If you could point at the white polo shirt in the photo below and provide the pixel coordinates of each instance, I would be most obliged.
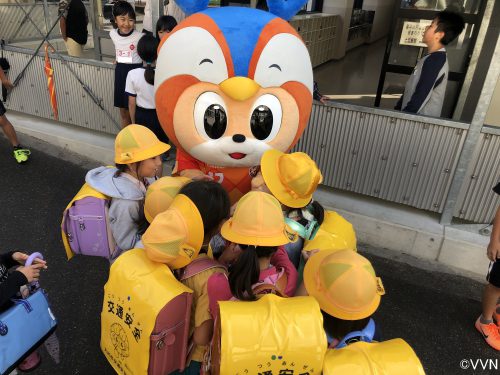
(126, 46)
(137, 86)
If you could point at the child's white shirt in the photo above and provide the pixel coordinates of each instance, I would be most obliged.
(126, 47)
(137, 86)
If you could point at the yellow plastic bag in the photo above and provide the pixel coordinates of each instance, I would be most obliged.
(272, 334)
(334, 233)
(392, 357)
(136, 291)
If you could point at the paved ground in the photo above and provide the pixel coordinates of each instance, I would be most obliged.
(432, 310)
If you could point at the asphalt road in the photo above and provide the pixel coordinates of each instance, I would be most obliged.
(433, 311)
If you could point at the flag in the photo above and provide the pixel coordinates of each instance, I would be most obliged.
(49, 72)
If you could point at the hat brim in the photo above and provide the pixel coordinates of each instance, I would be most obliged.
(194, 223)
(229, 234)
(325, 304)
(269, 169)
(158, 149)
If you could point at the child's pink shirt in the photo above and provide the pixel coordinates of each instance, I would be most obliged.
(218, 285)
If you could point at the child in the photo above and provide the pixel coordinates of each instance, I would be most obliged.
(164, 25)
(489, 321)
(293, 179)
(125, 39)
(256, 232)
(140, 90)
(20, 153)
(137, 157)
(9, 287)
(212, 202)
(348, 292)
(426, 88)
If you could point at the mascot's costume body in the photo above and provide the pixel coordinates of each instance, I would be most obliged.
(230, 84)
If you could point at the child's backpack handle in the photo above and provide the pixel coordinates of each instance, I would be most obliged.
(32, 258)
(366, 335)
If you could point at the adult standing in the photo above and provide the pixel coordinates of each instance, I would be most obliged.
(73, 23)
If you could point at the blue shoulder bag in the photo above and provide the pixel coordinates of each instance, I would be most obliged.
(24, 326)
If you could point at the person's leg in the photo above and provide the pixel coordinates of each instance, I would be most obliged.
(485, 324)
(491, 294)
(74, 49)
(9, 130)
(125, 117)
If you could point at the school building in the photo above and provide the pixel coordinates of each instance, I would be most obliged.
(410, 183)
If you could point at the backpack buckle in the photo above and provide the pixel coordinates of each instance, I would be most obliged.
(82, 226)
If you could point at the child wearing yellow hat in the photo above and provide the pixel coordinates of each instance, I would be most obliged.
(160, 195)
(293, 179)
(348, 292)
(256, 233)
(137, 157)
(179, 237)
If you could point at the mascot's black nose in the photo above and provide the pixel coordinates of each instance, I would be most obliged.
(239, 138)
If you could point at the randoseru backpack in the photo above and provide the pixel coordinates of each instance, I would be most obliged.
(85, 227)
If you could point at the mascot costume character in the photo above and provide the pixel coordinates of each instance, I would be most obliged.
(231, 83)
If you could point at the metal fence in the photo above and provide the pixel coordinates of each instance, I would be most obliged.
(74, 100)
(16, 27)
(391, 155)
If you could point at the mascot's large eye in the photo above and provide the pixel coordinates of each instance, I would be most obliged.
(210, 116)
(265, 121)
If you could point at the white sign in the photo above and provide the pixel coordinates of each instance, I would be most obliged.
(413, 32)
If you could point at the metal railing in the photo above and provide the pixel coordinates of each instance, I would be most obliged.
(391, 155)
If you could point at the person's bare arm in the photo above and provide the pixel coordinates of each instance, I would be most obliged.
(5, 81)
(62, 25)
(131, 108)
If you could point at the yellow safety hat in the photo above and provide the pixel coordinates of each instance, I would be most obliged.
(258, 220)
(160, 195)
(291, 178)
(135, 143)
(176, 235)
(344, 283)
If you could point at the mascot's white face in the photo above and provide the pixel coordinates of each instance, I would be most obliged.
(226, 97)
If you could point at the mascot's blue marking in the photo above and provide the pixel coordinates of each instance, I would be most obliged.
(241, 28)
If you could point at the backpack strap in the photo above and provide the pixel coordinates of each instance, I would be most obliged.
(199, 265)
(366, 335)
(85, 191)
(275, 284)
(263, 289)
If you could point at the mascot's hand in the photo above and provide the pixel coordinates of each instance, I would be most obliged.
(195, 175)
(258, 184)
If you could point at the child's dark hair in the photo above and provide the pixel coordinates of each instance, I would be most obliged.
(316, 209)
(123, 8)
(451, 23)
(211, 200)
(339, 328)
(246, 270)
(147, 50)
(165, 23)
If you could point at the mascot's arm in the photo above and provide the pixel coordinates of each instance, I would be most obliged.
(258, 183)
(187, 166)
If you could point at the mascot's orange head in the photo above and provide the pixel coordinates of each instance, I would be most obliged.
(234, 82)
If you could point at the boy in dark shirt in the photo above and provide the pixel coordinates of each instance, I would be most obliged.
(426, 87)
(489, 322)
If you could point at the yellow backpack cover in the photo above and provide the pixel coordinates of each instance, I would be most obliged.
(334, 233)
(145, 316)
(392, 357)
(270, 335)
